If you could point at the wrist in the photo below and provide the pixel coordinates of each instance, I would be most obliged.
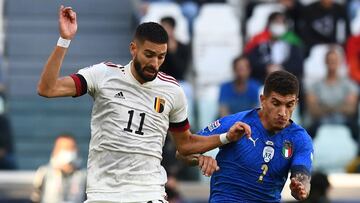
(223, 138)
(64, 43)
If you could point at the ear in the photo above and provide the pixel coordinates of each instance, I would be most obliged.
(133, 49)
(262, 100)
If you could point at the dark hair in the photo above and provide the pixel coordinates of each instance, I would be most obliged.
(239, 58)
(152, 32)
(273, 16)
(169, 20)
(281, 82)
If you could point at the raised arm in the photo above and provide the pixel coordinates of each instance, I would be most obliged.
(50, 85)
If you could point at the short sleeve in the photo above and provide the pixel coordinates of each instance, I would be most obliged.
(303, 155)
(178, 114)
(89, 77)
(219, 126)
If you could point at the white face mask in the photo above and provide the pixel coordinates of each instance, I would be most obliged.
(64, 157)
(277, 29)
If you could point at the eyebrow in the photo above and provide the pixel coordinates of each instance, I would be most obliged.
(274, 99)
(153, 53)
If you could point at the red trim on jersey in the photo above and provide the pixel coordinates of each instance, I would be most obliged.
(164, 75)
(77, 84)
(108, 63)
(179, 127)
(161, 77)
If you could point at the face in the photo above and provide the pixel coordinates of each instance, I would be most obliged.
(147, 59)
(277, 110)
(242, 69)
(332, 62)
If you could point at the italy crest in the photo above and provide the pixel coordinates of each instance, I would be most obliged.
(287, 149)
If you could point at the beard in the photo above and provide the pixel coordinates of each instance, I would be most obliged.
(140, 71)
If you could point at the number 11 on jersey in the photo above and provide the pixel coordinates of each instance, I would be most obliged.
(131, 115)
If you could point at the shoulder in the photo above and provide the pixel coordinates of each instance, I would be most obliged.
(300, 135)
(167, 80)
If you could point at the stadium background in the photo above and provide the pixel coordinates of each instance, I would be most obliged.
(29, 32)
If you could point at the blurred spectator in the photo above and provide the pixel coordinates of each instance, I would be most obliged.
(293, 10)
(60, 181)
(333, 99)
(353, 57)
(7, 158)
(354, 165)
(320, 186)
(353, 6)
(321, 23)
(275, 47)
(240, 94)
(178, 56)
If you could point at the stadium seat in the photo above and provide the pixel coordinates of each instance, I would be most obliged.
(333, 148)
(158, 10)
(257, 22)
(207, 104)
(315, 67)
(214, 48)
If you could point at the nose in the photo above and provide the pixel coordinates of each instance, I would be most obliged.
(282, 111)
(154, 62)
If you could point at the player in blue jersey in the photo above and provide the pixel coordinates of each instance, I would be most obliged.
(255, 170)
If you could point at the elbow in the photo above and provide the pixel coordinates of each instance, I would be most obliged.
(43, 92)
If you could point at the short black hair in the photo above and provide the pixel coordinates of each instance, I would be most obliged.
(169, 20)
(152, 32)
(273, 16)
(281, 82)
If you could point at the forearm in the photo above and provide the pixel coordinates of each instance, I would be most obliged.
(51, 71)
(196, 144)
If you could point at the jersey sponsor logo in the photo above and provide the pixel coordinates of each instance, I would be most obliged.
(159, 104)
(268, 153)
(119, 95)
(212, 126)
(287, 149)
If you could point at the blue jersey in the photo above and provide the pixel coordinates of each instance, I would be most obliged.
(257, 173)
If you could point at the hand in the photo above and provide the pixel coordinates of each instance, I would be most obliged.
(67, 22)
(298, 190)
(237, 131)
(208, 165)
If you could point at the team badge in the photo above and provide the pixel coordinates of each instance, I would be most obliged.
(287, 149)
(268, 153)
(159, 104)
(212, 126)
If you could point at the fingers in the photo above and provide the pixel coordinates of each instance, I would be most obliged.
(208, 165)
(298, 189)
(246, 129)
(67, 12)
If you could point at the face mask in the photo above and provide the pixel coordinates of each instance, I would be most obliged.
(277, 29)
(64, 157)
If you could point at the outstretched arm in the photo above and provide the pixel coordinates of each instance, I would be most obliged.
(50, 85)
(188, 143)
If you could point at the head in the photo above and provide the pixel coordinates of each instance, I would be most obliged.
(289, 4)
(326, 3)
(148, 49)
(169, 25)
(319, 185)
(279, 99)
(241, 68)
(277, 24)
(65, 151)
(332, 61)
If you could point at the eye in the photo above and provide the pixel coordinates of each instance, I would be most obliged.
(290, 105)
(275, 103)
(161, 57)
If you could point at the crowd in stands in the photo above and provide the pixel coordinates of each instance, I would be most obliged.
(292, 32)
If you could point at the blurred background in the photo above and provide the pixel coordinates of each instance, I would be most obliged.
(220, 51)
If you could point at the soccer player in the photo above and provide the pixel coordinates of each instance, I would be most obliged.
(134, 106)
(255, 170)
